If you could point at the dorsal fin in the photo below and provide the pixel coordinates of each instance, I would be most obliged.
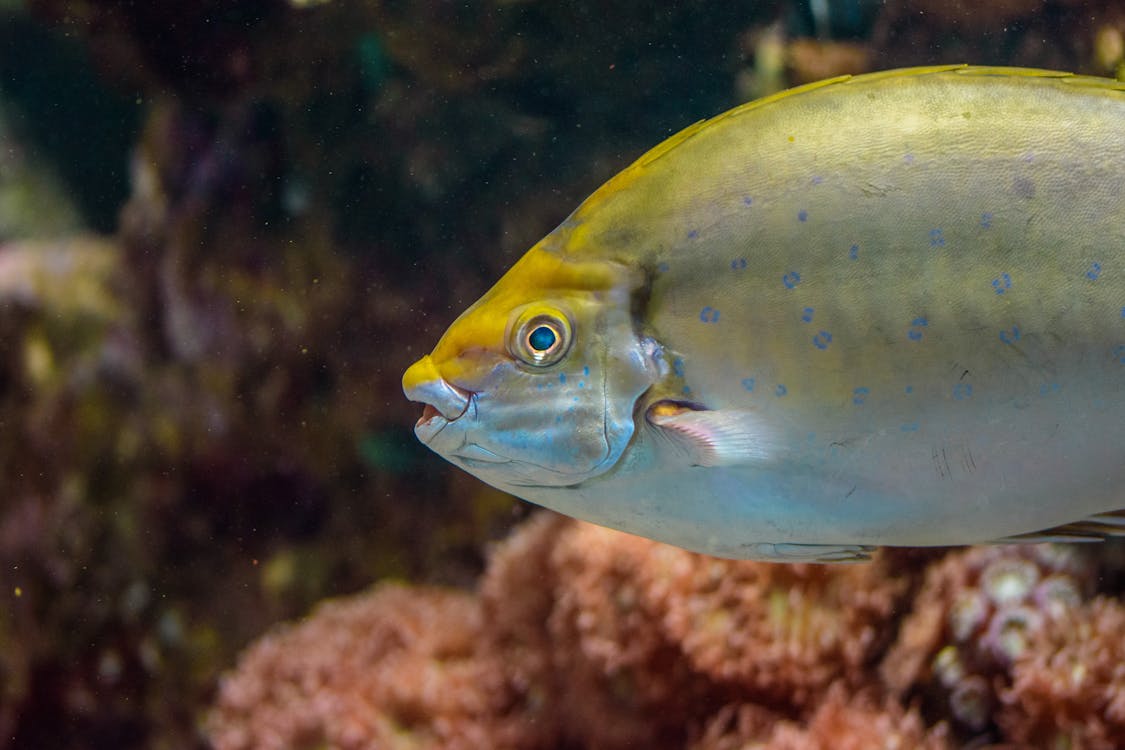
(1096, 528)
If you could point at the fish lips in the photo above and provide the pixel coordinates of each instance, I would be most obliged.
(444, 403)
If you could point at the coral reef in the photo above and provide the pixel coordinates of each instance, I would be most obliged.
(978, 613)
(225, 229)
(584, 637)
(1068, 686)
(398, 668)
(839, 722)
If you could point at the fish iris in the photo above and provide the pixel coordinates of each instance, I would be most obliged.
(542, 339)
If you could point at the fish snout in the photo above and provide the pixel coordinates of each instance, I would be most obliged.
(444, 402)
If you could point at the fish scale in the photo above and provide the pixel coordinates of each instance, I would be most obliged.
(883, 309)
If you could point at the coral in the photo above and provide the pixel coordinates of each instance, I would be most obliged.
(1068, 687)
(842, 721)
(593, 638)
(582, 637)
(783, 630)
(979, 612)
(570, 618)
(396, 668)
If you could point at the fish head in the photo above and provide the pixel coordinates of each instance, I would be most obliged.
(535, 384)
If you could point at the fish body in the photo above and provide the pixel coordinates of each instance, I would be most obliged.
(877, 310)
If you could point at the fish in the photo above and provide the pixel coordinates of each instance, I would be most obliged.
(876, 310)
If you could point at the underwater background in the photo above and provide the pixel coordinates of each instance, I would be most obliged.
(226, 229)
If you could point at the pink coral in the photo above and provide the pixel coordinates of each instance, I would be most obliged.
(781, 630)
(396, 668)
(842, 721)
(575, 629)
(583, 637)
(633, 640)
(979, 611)
(1068, 688)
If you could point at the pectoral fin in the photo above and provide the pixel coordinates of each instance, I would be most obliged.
(710, 437)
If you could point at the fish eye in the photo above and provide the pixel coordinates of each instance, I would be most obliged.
(542, 339)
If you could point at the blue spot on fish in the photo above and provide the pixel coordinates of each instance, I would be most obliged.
(909, 389)
(962, 391)
(910, 427)
(986, 221)
(859, 394)
(747, 201)
(1123, 313)
(1010, 336)
(709, 315)
(791, 279)
(782, 390)
(738, 264)
(1094, 272)
(817, 179)
(853, 252)
(581, 383)
(687, 390)
(807, 315)
(1002, 284)
(916, 326)
(1119, 352)
(908, 158)
(802, 215)
(1023, 187)
(936, 238)
(662, 268)
(822, 340)
(678, 366)
(586, 371)
(693, 234)
(1048, 388)
(748, 384)
(562, 378)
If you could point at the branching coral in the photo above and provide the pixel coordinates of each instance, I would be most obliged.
(840, 722)
(582, 637)
(398, 668)
(979, 612)
(569, 617)
(1068, 686)
(783, 631)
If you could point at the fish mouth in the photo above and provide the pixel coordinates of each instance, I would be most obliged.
(443, 402)
(429, 412)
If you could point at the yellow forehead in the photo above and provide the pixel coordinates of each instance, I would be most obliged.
(540, 276)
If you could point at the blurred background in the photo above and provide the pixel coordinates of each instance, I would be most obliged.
(226, 228)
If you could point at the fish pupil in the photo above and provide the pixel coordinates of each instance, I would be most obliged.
(542, 339)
